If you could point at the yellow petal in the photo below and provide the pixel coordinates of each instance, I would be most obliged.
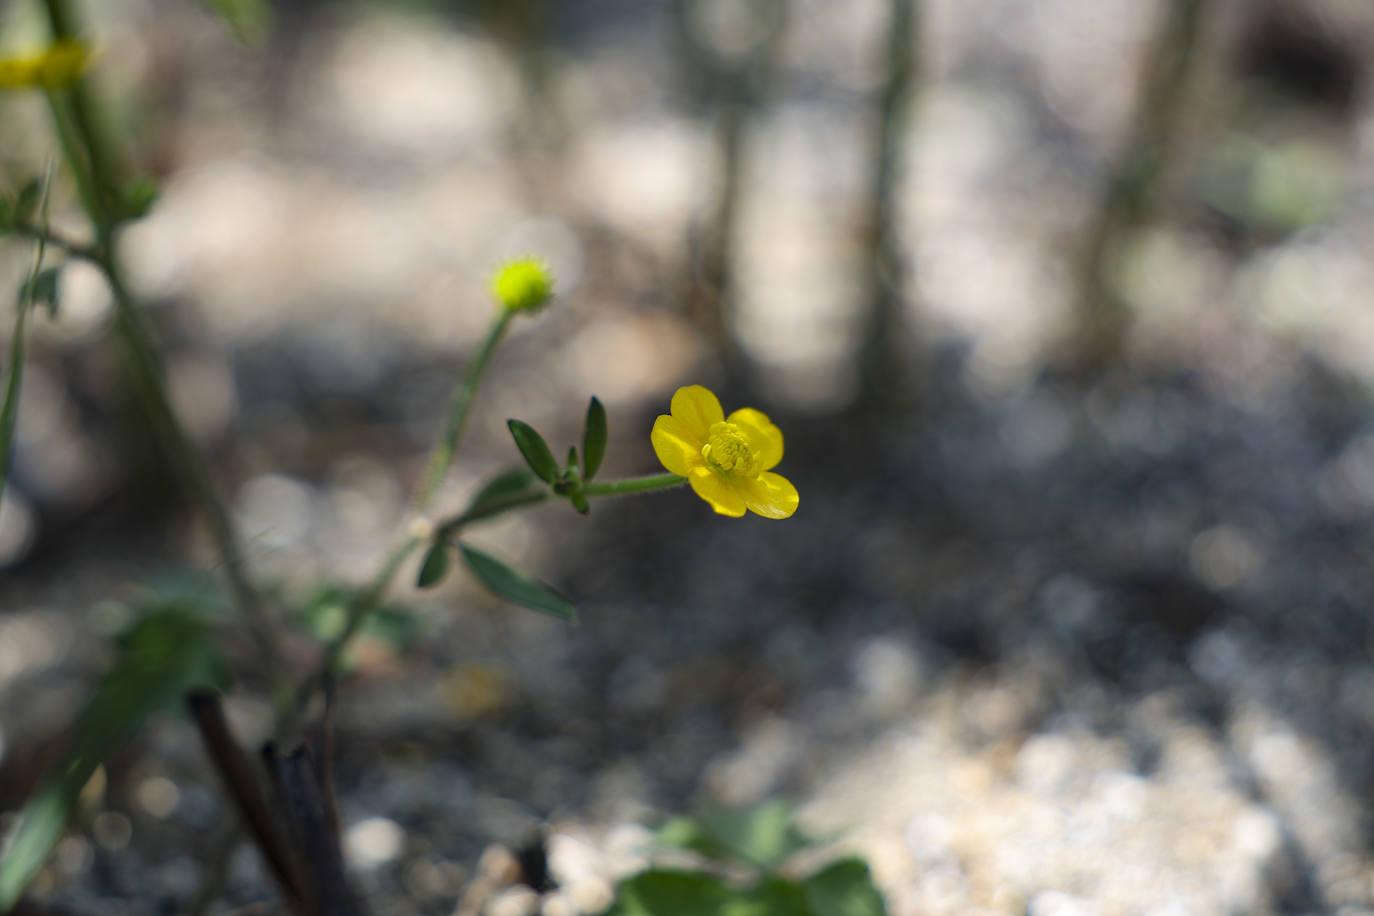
(696, 408)
(718, 491)
(765, 439)
(770, 495)
(675, 445)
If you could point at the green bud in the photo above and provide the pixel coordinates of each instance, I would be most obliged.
(523, 285)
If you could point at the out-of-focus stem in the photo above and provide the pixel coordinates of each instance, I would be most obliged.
(885, 344)
(89, 161)
(1134, 183)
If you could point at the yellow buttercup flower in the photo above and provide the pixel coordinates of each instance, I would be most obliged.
(727, 460)
(59, 67)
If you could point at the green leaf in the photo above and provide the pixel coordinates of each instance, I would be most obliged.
(435, 565)
(660, 892)
(514, 587)
(579, 502)
(844, 888)
(762, 836)
(774, 896)
(593, 439)
(250, 20)
(535, 450)
(41, 288)
(164, 653)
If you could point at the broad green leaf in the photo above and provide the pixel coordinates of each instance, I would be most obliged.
(516, 487)
(435, 565)
(844, 888)
(515, 587)
(250, 20)
(535, 450)
(660, 892)
(593, 439)
(167, 651)
(762, 836)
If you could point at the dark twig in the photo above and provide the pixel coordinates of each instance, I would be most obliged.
(241, 780)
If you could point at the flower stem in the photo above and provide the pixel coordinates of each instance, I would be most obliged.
(442, 455)
(644, 484)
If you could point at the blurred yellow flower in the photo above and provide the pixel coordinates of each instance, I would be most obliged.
(524, 284)
(59, 67)
(727, 460)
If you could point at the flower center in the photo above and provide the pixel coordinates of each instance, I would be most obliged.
(727, 450)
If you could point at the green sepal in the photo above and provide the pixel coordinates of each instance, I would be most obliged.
(593, 439)
(534, 449)
(579, 501)
(434, 566)
(515, 587)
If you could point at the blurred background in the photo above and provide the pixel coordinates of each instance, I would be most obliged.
(1063, 308)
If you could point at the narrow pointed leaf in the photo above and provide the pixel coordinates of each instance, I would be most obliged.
(516, 587)
(593, 439)
(535, 450)
(515, 487)
(434, 567)
(167, 651)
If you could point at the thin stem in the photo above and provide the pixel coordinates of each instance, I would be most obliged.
(644, 484)
(364, 603)
(442, 455)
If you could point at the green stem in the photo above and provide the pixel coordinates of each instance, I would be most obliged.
(646, 484)
(442, 455)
